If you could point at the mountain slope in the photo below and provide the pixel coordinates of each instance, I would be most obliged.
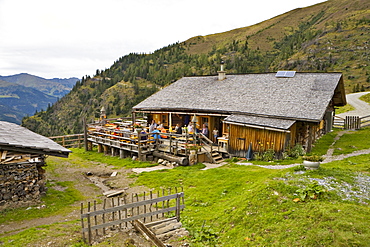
(54, 87)
(330, 36)
(17, 101)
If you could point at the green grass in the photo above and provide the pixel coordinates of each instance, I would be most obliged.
(55, 201)
(237, 205)
(320, 147)
(253, 206)
(344, 109)
(358, 163)
(275, 162)
(353, 141)
(366, 98)
(79, 156)
(45, 233)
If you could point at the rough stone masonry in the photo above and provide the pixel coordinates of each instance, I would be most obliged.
(21, 184)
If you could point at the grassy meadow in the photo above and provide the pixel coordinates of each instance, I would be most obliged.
(233, 205)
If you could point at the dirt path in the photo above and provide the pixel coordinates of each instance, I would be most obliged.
(328, 157)
(362, 108)
(99, 181)
(92, 187)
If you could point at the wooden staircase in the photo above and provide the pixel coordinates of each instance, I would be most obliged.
(207, 147)
(216, 156)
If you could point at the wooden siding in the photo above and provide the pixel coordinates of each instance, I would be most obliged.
(302, 133)
(306, 134)
(240, 137)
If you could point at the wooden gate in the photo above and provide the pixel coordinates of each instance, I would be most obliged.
(352, 122)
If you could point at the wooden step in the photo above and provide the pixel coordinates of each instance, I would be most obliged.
(217, 158)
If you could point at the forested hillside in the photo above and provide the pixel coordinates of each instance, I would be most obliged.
(331, 36)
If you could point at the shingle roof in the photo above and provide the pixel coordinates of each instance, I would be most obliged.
(263, 122)
(305, 96)
(15, 137)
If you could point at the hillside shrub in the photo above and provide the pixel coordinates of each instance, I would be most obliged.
(294, 152)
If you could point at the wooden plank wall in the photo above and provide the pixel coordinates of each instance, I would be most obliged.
(306, 134)
(240, 138)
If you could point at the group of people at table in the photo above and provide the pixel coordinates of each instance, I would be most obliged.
(156, 128)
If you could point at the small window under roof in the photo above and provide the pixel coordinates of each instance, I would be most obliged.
(285, 74)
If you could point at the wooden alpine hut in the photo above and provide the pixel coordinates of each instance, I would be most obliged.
(264, 111)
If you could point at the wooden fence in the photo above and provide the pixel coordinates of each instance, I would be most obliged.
(69, 141)
(365, 121)
(351, 122)
(120, 212)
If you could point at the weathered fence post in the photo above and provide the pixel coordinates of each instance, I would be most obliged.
(82, 223)
(103, 216)
(95, 219)
(162, 202)
(112, 207)
(144, 207)
(119, 213)
(89, 228)
(150, 208)
(178, 207)
(125, 210)
(168, 201)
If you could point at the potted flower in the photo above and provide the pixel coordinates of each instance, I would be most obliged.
(194, 147)
(312, 161)
(193, 153)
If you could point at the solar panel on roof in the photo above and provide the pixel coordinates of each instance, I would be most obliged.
(280, 74)
(285, 74)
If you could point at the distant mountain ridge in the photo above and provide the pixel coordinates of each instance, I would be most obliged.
(22, 95)
(54, 87)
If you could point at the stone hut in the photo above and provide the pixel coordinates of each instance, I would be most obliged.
(22, 157)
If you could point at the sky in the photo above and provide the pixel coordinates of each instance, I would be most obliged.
(74, 38)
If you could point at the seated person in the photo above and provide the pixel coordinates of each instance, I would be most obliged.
(155, 135)
(163, 130)
(143, 135)
(190, 128)
(178, 129)
(205, 130)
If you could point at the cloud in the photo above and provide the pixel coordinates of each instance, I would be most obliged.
(74, 38)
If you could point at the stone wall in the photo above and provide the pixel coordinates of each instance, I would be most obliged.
(21, 184)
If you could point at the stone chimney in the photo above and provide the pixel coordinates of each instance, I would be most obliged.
(222, 73)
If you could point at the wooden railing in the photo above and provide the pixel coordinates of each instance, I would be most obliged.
(146, 208)
(338, 122)
(365, 121)
(69, 141)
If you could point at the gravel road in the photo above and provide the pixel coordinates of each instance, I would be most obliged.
(361, 107)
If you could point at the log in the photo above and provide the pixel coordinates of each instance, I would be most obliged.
(111, 193)
(183, 161)
(168, 228)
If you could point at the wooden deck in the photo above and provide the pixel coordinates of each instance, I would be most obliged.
(126, 143)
